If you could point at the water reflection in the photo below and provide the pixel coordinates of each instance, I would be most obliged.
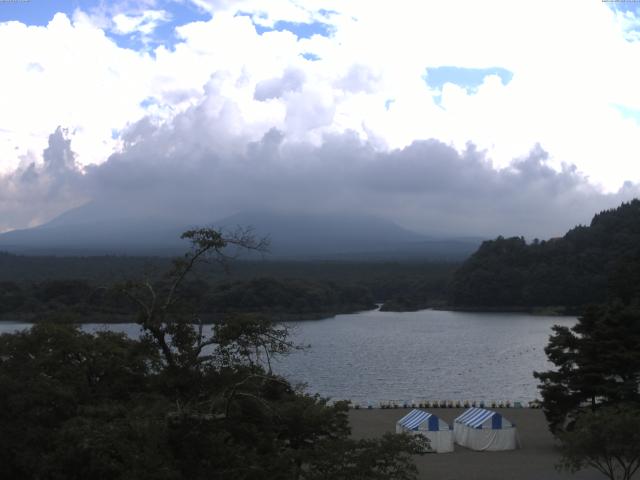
(373, 356)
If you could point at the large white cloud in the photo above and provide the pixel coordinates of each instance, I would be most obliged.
(197, 168)
(36, 191)
(573, 64)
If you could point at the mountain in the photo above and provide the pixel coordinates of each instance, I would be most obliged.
(102, 229)
(95, 229)
(345, 236)
(590, 264)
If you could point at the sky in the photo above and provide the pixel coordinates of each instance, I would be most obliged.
(466, 118)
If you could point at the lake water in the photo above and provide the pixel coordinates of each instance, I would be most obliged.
(432, 355)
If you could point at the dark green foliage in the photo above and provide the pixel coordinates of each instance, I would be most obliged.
(597, 363)
(261, 295)
(96, 269)
(66, 292)
(269, 295)
(176, 404)
(282, 290)
(607, 440)
(588, 265)
(55, 381)
(11, 297)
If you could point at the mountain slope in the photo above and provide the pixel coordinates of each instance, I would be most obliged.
(96, 229)
(103, 229)
(587, 265)
(318, 235)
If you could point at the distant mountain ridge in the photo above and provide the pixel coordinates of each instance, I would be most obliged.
(588, 265)
(95, 229)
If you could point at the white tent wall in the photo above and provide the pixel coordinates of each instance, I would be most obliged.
(418, 422)
(480, 429)
(486, 439)
(439, 442)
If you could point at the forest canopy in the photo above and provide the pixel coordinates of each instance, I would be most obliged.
(590, 264)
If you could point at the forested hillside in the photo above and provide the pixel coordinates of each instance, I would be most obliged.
(85, 288)
(590, 264)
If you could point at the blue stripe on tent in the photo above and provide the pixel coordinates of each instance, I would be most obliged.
(407, 416)
(475, 417)
(479, 418)
(415, 418)
(434, 424)
(410, 416)
(468, 414)
(496, 421)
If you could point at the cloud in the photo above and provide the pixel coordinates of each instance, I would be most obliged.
(566, 93)
(427, 186)
(144, 23)
(290, 81)
(195, 170)
(359, 78)
(37, 191)
(231, 117)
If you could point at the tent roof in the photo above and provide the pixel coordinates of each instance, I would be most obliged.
(415, 418)
(475, 417)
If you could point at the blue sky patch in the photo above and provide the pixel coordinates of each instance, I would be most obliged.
(40, 13)
(631, 12)
(627, 112)
(300, 30)
(467, 78)
(304, 30)
(37, 13)
(620, 6)
(311, 56)
(325, 13)
(147, 102)
(181, 14)
(165, 33)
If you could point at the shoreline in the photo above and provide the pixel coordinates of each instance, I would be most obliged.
(555, 311)
(80, 318)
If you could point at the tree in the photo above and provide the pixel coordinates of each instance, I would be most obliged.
(597, 364)
(607, 440)
(161, 314)
(179, 403)
(57, 384)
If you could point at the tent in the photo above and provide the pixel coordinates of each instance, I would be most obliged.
(480, 429)
(419, 422)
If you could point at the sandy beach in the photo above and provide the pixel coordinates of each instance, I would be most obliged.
(535, 460)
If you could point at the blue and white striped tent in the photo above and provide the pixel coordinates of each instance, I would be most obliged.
(481, 429)
(419, 422)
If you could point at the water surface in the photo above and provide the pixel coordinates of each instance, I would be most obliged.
(436, 355)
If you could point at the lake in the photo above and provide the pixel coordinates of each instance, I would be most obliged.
(432, 355)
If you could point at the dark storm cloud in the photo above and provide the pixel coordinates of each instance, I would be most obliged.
(196, 169)
(427, 186)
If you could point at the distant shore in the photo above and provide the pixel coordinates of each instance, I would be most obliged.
(535, 460)
(116, 318)
(552, 311)
(75, 317)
